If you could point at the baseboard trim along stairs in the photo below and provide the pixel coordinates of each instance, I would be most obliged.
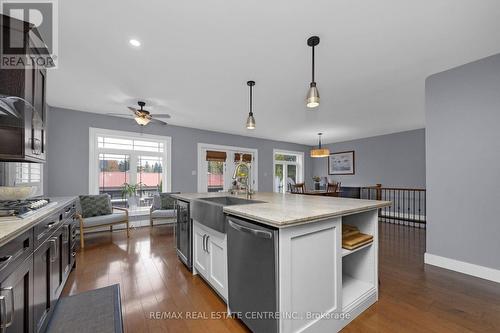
(482, 272)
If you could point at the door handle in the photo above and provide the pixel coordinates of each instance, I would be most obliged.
(204, 242)
(255, 232)
(54, 243)
(5, 260)
(56, 248)
(12, 307)
(3, 314)
(51, 224)
(66, 232)
(208, 236)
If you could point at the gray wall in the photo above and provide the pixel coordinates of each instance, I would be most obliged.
(391, 160)
(66, 172)
(463, 163)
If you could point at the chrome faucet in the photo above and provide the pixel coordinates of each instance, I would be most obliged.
(246, 176)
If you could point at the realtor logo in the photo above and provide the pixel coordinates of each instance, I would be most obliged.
(23, 45)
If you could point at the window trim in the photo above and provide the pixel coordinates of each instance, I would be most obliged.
(94, 133)
(301, 165)
(202, 147)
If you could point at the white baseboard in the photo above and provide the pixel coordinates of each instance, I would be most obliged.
(482, 272)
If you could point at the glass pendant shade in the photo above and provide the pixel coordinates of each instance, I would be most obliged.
(250, 121)
(143, 121)
(312, 99)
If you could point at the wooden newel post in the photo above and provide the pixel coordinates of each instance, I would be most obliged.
(379, 191)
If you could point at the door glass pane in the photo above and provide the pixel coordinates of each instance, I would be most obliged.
(285, 157)
(114, 170)
(215, 176)
(291, 172)
(149, 176)
(278, 182)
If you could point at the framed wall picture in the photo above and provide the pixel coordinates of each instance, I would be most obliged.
(341, 163)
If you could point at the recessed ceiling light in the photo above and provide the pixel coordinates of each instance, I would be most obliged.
(134, 42)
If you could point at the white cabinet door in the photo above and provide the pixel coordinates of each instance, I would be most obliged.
(200, 255)
(217, 251)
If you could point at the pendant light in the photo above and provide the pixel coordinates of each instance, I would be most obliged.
(320, 152)
(312, 98)
(250, 119)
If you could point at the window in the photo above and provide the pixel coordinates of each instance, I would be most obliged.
(29, 174)
(288, 169)
(215, 181)
(123, 157)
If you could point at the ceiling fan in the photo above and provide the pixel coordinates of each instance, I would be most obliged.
(142, 116)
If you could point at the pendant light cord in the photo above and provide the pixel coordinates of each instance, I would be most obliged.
(251, 113)
(313, 64)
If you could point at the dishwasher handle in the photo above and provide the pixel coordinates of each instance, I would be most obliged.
(255, 232)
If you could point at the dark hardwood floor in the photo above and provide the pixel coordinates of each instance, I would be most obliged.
(413, 297)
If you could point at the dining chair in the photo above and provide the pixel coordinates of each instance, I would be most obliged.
(298, 188)
(332, 189)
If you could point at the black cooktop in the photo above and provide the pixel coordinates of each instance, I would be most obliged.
(21, 207)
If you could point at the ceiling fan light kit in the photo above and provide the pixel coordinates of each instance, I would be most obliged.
(143, 121)
(312, 97)
(250, 119)
(320, 152)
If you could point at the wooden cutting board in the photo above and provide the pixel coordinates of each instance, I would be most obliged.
(348, 228)
(353, 247)
(349, 233)
(356, 239)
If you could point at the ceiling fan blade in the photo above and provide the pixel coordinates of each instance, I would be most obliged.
(134, 110)
(156, 121)
(121, 115)
(158, 115)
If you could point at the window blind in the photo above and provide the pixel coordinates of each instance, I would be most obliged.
(219, 156)
(246, 157)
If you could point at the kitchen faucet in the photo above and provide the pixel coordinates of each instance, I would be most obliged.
(245, 175)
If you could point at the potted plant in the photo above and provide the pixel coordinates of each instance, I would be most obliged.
(316, 179)
(129, 191)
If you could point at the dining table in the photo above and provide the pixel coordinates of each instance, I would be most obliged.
(323, 192)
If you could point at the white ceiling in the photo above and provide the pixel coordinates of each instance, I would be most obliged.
(196, 57)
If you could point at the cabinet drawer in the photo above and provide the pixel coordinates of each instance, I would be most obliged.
(15, 252)
(44, 229)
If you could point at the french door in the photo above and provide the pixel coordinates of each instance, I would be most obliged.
(217, 166)
(287, 170)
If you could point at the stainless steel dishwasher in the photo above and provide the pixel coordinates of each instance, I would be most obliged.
(252, 257)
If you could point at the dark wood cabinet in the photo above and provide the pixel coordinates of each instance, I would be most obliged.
(31, 281)
(23, 115)
(57, 264)
(17, 299)
(49, 277)
(42, 298)
(16, 284)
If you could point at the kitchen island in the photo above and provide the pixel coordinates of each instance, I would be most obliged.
(279, 262)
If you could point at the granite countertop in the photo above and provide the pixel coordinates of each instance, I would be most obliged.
(282, 210)
(11, 226)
